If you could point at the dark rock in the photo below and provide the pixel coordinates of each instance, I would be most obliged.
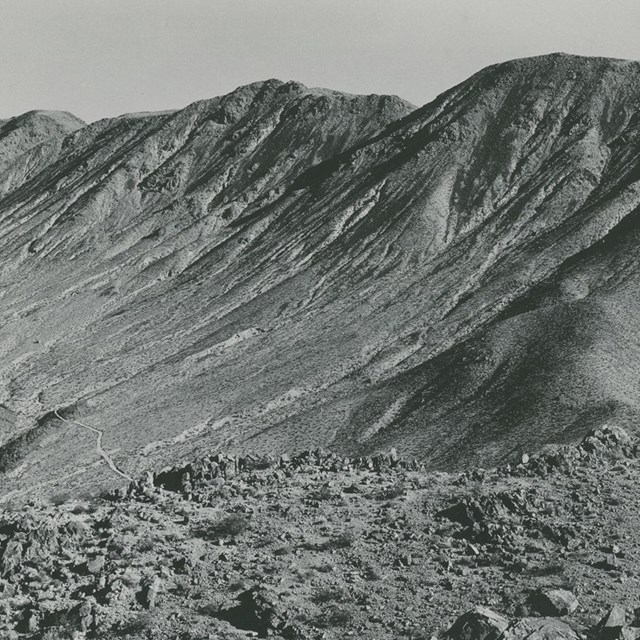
(610, 563)
(554, 602)
(261, 610)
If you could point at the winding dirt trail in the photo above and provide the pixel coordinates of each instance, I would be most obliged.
(101, 452)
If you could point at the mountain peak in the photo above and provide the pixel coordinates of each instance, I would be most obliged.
(63, 120)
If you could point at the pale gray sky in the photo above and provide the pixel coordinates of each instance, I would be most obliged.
(101, 58)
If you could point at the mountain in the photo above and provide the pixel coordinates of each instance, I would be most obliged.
(284, 268)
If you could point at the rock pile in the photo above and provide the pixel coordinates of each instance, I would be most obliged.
(195, 478)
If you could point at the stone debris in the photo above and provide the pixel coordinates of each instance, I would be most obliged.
(314, 544)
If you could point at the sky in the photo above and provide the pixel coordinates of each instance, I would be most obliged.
(101, 58)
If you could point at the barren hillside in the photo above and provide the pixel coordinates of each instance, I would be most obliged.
(284, 268)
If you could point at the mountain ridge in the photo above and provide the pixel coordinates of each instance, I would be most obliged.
(284, 267)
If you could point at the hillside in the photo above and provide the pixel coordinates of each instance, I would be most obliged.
(284, 268)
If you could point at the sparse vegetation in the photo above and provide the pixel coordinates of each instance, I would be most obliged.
(396, 490)
(139, 624)
(335, 615)
(232, 525)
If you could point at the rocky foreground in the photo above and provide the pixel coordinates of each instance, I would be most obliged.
(321, 546)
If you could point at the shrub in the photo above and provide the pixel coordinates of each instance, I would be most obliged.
(393, 491)
(335, 616)
(146, 544)
(345, 540)
(139, 624)
(324, 494)
(372, 572)
(232, 525)
(328, 594)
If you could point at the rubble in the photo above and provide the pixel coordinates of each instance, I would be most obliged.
(314, 544)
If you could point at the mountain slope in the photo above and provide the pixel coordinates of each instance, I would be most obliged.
(283, 267)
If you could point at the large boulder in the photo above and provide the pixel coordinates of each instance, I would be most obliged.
(613, 625)
(539, 629)
(262, 611)
(149, 593)
(480, 623)
(554, 602)
(484, 624)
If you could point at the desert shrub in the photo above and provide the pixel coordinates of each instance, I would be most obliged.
(323, 494)
(233, 525)
(63, 632)
(229, 526)
(549, 569)
(343, 541)
(137, 625)
(372, 572)
(84, 508)
(334, 616)
(259, 464)
(328, 594)
(59, 499)
(282, 551)
(396, 490)
(146, 544)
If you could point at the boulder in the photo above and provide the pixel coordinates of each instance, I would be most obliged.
(11, 558)
(613, 624)
(554, 602)
(95, 565)
(608, 437)
(480, 623)
(149, 593)
(87, 615)
(260, 610)
(539, 629)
